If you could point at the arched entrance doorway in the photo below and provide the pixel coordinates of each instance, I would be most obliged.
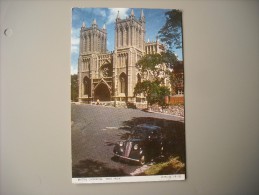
(102, 92)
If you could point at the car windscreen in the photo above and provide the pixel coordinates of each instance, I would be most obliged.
(139, 133)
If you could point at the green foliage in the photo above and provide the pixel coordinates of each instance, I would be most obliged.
(171, 32)
(155, 67)
(169, 58)
(162, 92)
(154, 70)
(172, 166)
(74, 88)
(154, 92)
(149, 64)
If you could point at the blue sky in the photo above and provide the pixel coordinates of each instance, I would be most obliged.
(155, 19)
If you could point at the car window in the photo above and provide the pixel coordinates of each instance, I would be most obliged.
(139, 134)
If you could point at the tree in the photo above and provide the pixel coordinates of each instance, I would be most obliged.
(149, 65)
(176, 77)
(163, 91)
(74, 88)
(171, 32)
(154, 92)
(157, 65)
(169, 59)
(153, 71)
(148, 88)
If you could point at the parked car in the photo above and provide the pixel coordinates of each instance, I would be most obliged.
(143, 144)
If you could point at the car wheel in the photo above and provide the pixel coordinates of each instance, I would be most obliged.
(115, 158)
(142, 160)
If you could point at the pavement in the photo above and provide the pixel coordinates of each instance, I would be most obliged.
(96, 129)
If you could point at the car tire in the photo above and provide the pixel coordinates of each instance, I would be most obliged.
(142, 160)
(116, 158)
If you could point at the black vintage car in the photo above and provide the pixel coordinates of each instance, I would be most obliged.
(143, 144)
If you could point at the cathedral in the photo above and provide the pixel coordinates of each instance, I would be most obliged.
(112, 76)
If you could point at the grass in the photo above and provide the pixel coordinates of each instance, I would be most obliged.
(172, 166)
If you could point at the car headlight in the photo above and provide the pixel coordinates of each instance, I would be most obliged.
(135, 146)
(121, 143)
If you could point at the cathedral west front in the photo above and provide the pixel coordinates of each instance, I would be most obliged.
(112, 76)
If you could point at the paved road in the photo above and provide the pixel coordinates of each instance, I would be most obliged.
(95, 130)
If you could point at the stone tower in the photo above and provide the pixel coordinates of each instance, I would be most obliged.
(94, 63)
(129, 48)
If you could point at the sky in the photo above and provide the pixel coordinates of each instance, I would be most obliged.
(155, 19)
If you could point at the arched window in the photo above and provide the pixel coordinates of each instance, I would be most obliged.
(127, 35)
(89, 41)
(137, 38)
(121, 38)
(87, 86)
(123, 83)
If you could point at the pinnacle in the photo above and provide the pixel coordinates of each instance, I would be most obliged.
(132, 12)
(83, 24)
(142, 14)
(118, 15)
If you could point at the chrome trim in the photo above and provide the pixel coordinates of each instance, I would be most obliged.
(128, 147)
(127, 158)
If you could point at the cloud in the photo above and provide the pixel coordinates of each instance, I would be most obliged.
(75, 32)
(75, 40)
(74, 49)
(73, 69)
(113, 12)
(99, 12)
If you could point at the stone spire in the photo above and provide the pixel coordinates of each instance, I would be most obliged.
(142, 14)
(104, 27)
(94, 23)
(83, 25)
(132, 13)
(118, 15)
(142, 17)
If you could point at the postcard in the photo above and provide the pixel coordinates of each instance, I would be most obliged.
(127, 95)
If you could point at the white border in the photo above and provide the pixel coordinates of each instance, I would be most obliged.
(89, 180)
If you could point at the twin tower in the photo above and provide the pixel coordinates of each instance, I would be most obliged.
(112, 76)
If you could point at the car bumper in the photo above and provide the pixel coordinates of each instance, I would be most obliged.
(126, 158)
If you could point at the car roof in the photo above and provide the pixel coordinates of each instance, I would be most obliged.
(149, 126)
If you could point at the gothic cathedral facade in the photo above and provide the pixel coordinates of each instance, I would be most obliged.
(112, 76)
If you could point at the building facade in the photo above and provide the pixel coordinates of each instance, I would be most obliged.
(112, 76)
